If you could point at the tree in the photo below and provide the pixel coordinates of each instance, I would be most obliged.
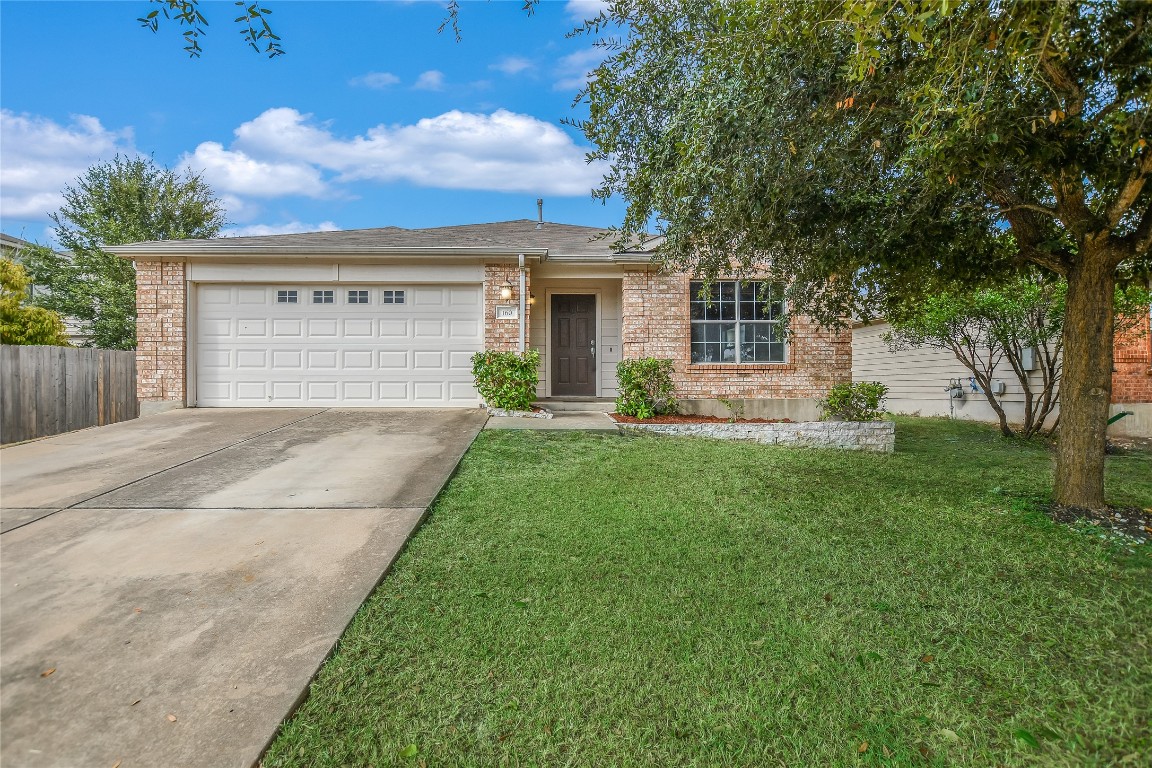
(125, 200)
(986, 327)
(876, 150)
(20, 324)
(187, 14)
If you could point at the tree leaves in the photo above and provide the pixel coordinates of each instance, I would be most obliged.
(121, 201)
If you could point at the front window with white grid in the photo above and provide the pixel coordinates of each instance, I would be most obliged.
(323, 297)
(391, 297)
(737, 321)
(287, 297)
(357, 297)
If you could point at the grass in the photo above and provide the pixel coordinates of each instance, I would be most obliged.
(591, 600)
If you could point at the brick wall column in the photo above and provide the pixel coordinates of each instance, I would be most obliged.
(161, 322)
(504, 335)
(1132, 364)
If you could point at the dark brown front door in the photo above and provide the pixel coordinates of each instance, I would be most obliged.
(573, 344)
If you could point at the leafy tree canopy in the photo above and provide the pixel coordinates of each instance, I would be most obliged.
(872, 150)
(883, 144)
(20, 324)
(125, 200)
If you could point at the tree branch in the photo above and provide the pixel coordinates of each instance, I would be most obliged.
(1130, 191)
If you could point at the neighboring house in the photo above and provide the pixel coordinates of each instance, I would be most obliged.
(391, 317)
(918, 380)
(12, 248)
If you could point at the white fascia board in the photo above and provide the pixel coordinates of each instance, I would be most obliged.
(176, 252)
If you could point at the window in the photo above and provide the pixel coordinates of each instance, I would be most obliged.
(391, 297)
(286, 297)
(323, 297)
(737, 322)
(357, 297)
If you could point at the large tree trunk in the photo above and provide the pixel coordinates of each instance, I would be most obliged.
(1086, 385)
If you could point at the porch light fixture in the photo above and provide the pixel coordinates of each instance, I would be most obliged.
(531, 298)
(506, 290)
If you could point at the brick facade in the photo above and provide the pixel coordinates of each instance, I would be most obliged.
(504, 334)
(1132, 365)
(656, 324)
(160, 330)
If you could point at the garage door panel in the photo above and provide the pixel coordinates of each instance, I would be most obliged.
(357, 359)
(252, 358)
(282, 328)
(322, 359)
(393, 327)
(216, 328)
(253, 350)
(428, 391)
(425, 329)
(251, 391)
(287, 390)
(423, 359)
(250, 296)
(393, 359)
(287, 358)
(246, 327)
(360, 327)
(357, 391)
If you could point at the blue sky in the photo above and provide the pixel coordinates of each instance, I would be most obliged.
(371, 119)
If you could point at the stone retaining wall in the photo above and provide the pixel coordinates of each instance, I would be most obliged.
(877, 436)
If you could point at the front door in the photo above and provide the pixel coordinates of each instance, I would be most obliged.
(573, 344)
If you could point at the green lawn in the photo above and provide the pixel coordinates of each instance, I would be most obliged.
(599, 600)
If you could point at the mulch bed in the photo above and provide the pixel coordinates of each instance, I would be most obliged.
(676, 418)
(1133, 523)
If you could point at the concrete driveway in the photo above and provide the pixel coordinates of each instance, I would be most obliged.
(168, 586)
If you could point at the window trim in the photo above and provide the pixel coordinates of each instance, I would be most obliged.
(737, 323)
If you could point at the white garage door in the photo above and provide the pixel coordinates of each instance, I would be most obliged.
(337, 344)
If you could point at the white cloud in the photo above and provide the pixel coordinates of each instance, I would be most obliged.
(42, 156)
(573, 69)
(377, 80)
(502, 151)
(580, 10)
(288, 228)
(232, 171)
(432, 80)
(511, 65)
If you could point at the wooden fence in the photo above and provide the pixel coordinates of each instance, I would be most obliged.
(49, 390)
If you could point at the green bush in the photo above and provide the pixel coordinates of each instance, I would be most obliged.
(506, 379)
(645, 387)
(861, 401)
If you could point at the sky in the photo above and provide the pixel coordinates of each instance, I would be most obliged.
(372, 118)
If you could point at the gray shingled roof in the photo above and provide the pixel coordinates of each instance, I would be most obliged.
(559, 240)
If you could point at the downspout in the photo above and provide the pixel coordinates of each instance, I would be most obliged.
(523, 305)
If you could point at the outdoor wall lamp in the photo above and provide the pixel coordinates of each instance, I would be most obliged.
(506, 290)
(531, 298)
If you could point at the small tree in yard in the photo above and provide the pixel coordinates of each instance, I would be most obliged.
(122, 201)
(987, 327)
(25, 325)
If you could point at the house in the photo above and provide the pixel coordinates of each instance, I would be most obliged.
(918, 379)
(391, 317)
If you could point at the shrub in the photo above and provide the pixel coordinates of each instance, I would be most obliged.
(860, 401)
(506, 379)
(645, 387)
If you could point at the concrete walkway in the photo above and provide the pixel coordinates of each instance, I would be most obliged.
(169, 585)
(583, 420)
